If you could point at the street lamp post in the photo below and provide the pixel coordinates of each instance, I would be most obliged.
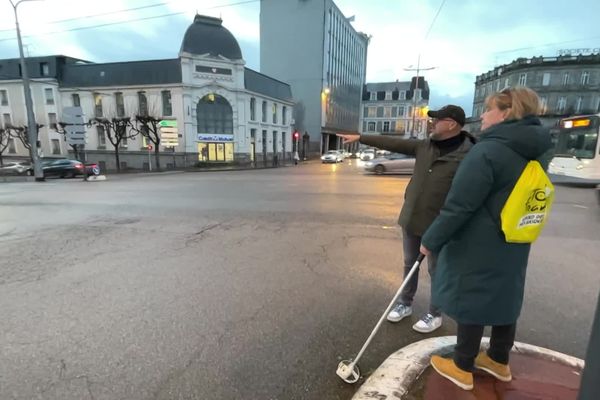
(32, 131)
(414, 112)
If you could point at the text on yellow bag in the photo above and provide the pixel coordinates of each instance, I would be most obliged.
(527, 208)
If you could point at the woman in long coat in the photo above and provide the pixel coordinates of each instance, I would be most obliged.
(480, 278)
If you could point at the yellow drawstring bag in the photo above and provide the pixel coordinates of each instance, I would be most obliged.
(528, 206)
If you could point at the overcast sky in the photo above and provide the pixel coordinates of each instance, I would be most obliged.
(469, 37)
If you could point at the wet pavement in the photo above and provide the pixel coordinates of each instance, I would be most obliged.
(534, 378)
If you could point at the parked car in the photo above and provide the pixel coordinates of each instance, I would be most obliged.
(598, 194)
(17, 168)
(394, 163)
(332, 156)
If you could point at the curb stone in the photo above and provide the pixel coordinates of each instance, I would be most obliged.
(396, 374)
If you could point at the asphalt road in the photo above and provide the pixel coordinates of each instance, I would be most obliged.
(236, 285)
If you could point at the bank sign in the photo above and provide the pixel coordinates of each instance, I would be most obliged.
(214, 137)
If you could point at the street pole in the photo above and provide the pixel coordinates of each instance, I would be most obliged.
(590, 386)
(414, 111)
(32, 131)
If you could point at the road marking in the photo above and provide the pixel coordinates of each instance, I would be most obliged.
(580, 206)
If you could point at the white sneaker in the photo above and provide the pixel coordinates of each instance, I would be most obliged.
(399, 312)
(428, 324)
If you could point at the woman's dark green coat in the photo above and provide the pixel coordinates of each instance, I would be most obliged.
(479, 277)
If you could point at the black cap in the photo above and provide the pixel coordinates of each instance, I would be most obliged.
(450, 111)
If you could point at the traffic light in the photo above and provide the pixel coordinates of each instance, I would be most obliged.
(296, 135)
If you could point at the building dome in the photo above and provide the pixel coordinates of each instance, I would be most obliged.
(207, 35)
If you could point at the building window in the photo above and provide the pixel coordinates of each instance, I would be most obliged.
(562, 104)
(543, 105)
(546, 79)
(252, 109)
(284, 115)
(49, 96)
(566, 79)
(7, 120)
(274, 109)
(98, 105)
(167, 107)
(214, 115)
(387, 112)
(44, 70)
(101, 136)
(386, 126)
(388, 95)
(371, 127)
(373, 96)
(401, 111)
(264, 111)
(523, 79)
(143, 104)
(12, 147)
(76, 100)
(52, 120)
(418, 94)
(498, 85)
(578, 104)
(585, 78)
(372, 112)
(55, 146)
(124, 143)
(120, 104)
(3, 97)
(402, 95)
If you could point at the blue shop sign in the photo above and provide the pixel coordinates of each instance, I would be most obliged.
(213, 137)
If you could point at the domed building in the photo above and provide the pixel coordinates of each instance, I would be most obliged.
(209, 107)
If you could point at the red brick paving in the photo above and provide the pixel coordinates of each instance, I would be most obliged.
(533, 379)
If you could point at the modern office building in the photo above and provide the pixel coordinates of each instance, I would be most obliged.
(311, 45)
(223, 111)
(396, 108)
(568, 84)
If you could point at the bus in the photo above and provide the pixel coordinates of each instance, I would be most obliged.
(577, 153)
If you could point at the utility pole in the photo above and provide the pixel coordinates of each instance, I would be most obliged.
(414, 111)
(32, 131)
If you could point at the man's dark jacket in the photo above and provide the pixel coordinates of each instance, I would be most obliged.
(431, 180)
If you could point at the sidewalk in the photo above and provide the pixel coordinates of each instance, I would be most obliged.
(538, 374)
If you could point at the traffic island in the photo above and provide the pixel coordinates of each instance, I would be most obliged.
(538, 373)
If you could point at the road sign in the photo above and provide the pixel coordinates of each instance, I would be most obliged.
(169, 135)
(168, 123)
(164, 129)
(75, 129)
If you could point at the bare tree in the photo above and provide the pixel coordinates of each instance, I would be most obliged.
(148, 127)
(146, 123)
(4, 142)
(77, 149)
(20, 132)
(116, 131)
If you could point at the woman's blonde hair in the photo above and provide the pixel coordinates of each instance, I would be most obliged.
(519, 101)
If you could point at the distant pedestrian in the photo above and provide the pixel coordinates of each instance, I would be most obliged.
(480, 277)
(296, 158)
(437, 159)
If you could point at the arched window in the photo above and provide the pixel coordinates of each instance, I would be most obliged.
(214, 115)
